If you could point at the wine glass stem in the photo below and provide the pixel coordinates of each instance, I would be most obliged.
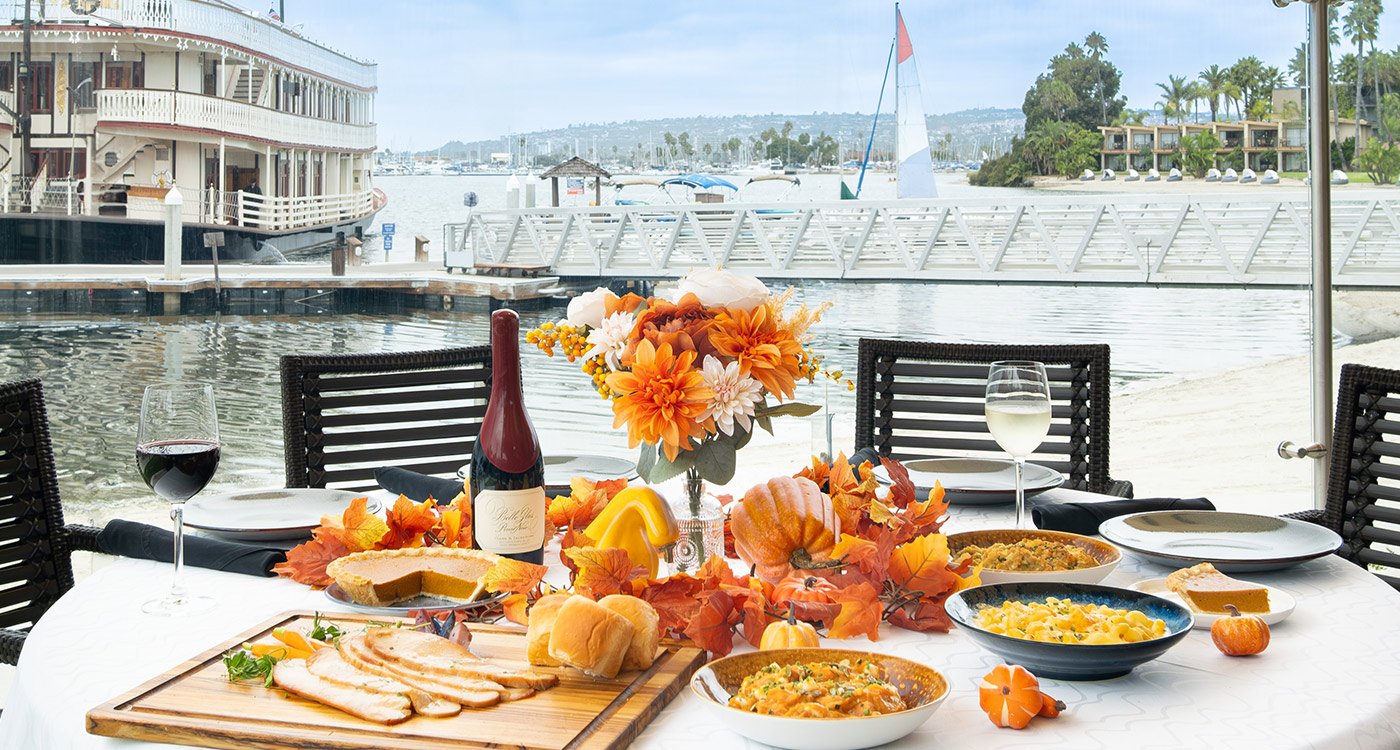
(177, 579)
(1020, 495)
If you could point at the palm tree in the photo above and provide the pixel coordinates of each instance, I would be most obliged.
(1213, 80)
(1360, 26)
(1175, 94)
(1298, 66)
(1074, 51)
(1097, 45)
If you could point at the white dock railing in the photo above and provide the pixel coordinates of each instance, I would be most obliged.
(148, 106)
(1215, 239)
(219, 21)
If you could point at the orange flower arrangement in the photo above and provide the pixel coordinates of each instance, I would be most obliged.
(661, 399)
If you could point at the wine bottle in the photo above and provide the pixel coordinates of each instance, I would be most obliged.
(507, 474)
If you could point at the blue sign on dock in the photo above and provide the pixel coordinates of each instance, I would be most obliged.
(388, 229)
(388, 242)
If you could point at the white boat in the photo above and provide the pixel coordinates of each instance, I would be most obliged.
(913, 157)
(262, 132)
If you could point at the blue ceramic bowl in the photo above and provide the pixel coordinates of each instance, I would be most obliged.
(1067, 661)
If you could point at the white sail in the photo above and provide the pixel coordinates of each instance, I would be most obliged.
(915, 176)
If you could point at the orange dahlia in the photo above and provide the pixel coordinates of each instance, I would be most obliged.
(765, 350)
(685, 325)
(661, 399)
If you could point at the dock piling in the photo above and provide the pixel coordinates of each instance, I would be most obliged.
(174, 233)
(354, 252)
(338, 255)
(420, 248)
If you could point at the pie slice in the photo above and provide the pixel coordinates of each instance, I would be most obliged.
(1208, 590)
(381, 578)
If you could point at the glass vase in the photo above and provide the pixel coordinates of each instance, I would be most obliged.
(701, 523)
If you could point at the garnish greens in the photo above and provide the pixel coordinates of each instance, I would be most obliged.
(242, 665)
(325, 631)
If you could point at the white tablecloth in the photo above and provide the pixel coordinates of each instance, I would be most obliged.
(1330, 678)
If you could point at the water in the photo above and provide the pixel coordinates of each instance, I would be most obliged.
(95, 366)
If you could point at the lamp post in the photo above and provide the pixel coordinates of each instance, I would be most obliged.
(73, 141)
(1320, 166)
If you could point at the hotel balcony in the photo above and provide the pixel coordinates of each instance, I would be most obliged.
(225, 117)
(214, 21)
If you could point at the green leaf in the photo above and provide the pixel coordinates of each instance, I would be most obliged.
(789, 409)
(764, 422)
(715, 460)
(742, 438)
(646, 460)
(665, 468)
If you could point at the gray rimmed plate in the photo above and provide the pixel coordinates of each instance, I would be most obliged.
(976, 481)
(560, 469)
(1233, 542)
(334, 593)
(268, 515)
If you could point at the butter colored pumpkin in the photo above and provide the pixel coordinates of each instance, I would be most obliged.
(789, 633)
(639, 521)
(1240, 635)
(1011, 696)
(784, 525)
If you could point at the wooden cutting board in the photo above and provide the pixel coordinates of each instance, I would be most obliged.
(195, 704)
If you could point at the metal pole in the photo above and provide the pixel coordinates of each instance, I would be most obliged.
(24, 91)
(1321, 163)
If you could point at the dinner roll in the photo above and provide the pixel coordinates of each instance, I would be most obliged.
(541, 623)
(646, 623)
(590, 636)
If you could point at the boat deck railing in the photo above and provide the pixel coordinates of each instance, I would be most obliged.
(1200, 239)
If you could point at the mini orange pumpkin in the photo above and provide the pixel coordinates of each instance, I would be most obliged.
(803, 588)
(1011, 697)
(784, 524)
(1239, 635)
(789, 633)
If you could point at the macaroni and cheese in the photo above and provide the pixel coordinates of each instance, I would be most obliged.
(1063, 621)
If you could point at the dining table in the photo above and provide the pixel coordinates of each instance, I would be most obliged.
(1330, 677)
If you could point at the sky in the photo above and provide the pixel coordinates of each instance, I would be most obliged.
(468, 70)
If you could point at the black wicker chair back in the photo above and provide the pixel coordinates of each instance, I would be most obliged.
(345, 415)
(922, 399)
(1363, 499)
(35, 547)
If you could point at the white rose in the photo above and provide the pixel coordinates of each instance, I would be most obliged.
(588, 308)
(717, 287)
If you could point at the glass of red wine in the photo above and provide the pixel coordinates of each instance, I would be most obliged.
(177, 452)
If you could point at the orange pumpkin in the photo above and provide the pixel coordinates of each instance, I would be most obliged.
(1011, 697)
(799, 587)
(789, 633)
(1239, 635)
(783, 525)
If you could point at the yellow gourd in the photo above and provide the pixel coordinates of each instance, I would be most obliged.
(789, 633)
(639, 521)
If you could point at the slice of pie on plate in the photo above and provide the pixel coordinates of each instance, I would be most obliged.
(1208, 590)
(382, 578)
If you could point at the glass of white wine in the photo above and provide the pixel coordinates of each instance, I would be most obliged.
(1018, 415)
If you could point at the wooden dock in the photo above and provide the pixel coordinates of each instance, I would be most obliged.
(426, 279)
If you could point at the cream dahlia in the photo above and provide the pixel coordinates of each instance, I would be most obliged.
(610, 339)
(735, 395)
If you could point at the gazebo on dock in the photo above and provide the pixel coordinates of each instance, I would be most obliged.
(576, 167)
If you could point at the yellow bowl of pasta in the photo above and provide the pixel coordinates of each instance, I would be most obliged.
(1070, 631)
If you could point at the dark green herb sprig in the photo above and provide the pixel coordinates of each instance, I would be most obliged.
(242, 666)
(325, 631)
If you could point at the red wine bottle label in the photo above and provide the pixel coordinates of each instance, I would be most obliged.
(509, 522)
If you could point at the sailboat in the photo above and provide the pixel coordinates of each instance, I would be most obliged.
(914, 174)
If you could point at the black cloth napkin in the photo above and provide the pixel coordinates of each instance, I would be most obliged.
(131, 539)
(1085, 517)
(417, 487)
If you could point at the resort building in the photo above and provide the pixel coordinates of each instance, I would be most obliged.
(109, 104)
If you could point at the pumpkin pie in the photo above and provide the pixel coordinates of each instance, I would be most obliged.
(1208, 590)
(381, 578)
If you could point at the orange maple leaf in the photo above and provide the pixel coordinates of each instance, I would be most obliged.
(819, 472)
(921, 565)
(407, 521)
(306, 563)
(715, 572)
(928, 515)
(515, 576)
(901, 487)
(756, 609)
(922, 616)
(859, 615)
(603, 570)
(360, 529)
(516, 608)
(712, 627)
(455, 526)
(842, 475)
(673, 598)
(854, 550)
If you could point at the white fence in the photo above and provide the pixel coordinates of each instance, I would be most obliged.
(214, 20)
(229, 116)
(1156, 239)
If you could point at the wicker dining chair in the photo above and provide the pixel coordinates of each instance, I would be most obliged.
(1365, 512)
(35, 546)
(345, 415)
(919, 399)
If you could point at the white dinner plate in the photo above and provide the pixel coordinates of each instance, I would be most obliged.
(334, 593)
(560, 469)
(1281, 603)
(976, 481)
(1233, 542)
(267, 515)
